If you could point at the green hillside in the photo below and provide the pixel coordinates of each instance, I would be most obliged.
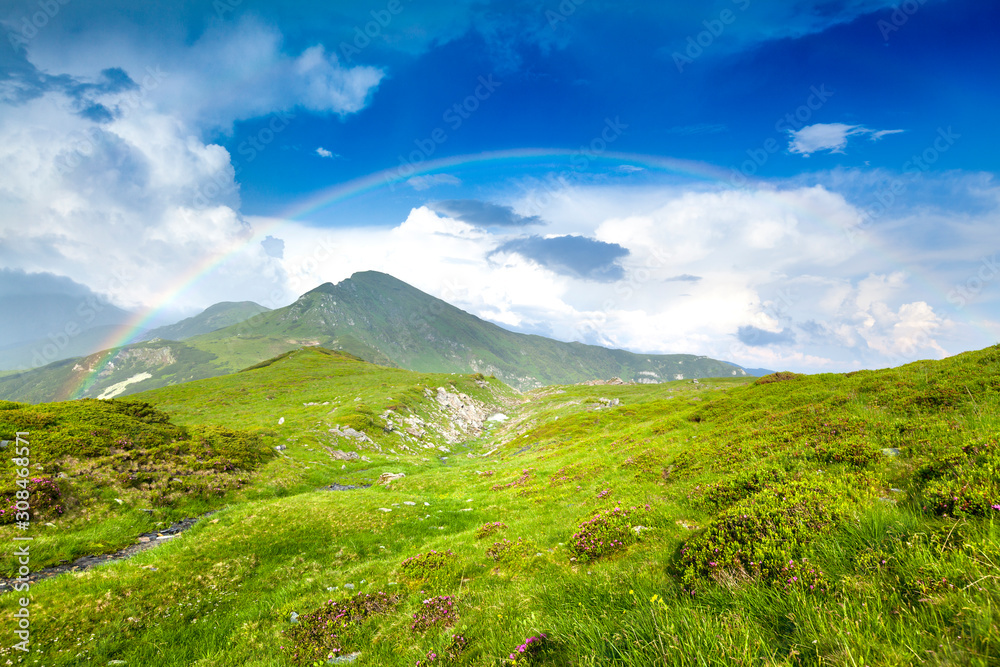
(787, 520)
(214, 317)
(372, 316)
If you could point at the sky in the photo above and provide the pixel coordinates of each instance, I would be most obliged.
(809, 186)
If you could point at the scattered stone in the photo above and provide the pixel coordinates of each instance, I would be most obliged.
(350, 657)
(144, 539)
(387, 478)
(349, 587)
(467, 509)
(891, 451)
(280, 448)
(409, 502)
(384, 509)
(281, 420)
(498, 417)
(294, 618)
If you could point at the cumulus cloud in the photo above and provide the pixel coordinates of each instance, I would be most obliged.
(484, 214)
(322, 152)
(830, 137)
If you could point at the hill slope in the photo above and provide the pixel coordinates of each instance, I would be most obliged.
(214, 317)
(791, 520)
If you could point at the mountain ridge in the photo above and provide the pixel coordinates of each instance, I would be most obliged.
(375, 317)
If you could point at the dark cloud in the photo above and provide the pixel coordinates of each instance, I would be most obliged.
(684, 277)
(21, 283)
(484, 214)
(274, 247)
(576, 256)
(755, 337)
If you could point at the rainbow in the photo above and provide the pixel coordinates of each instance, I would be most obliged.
(78, 384)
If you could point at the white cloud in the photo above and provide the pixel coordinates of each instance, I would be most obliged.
(778, 260)
(322, 152)
(830, 137)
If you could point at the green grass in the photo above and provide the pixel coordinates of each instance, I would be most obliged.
(814, 520)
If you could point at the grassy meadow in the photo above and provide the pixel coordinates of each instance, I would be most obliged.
(832, 519)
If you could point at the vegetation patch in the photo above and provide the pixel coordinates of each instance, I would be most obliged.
(326, 632)
(607, 532)
(758, 537)
(435, 612)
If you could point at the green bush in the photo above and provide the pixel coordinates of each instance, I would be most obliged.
(758, 536)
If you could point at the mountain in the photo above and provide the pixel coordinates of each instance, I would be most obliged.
(384, 320)
(374, 317)
(215, 317)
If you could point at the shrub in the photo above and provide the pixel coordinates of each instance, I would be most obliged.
(488, 529)
(323, 633)
(780, 376)
(505, 551)
(438, 566)
(43, 496)
(606, 532)
(532, 648)
(760, 535)
(435, 612)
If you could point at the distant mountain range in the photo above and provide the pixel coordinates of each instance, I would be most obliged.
(370, 315)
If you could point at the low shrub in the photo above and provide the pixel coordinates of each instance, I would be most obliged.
(529, 652)
(324, 633)
(506, 551)
(606, 532)
(435, 612)
(761, 534)
(488, 529)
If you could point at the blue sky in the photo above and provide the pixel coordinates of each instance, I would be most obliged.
(806, 185)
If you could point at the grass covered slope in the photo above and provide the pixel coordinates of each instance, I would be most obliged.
(792, 520)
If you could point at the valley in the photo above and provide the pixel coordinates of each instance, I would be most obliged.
(788, 519)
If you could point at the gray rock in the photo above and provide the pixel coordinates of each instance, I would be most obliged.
(294, 618)
(891, 451)
(349, 587)
(386, 478)
(340, 659)
(280, 448)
